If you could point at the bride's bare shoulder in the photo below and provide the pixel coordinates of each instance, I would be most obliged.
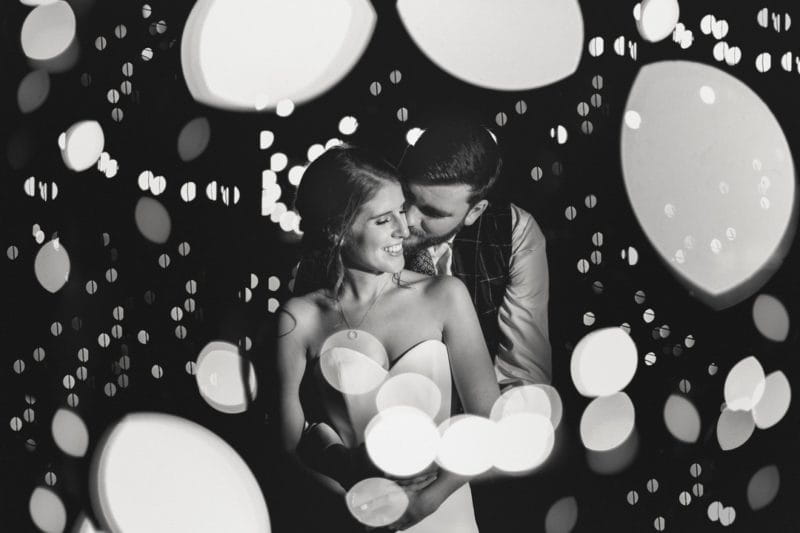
(302, 312)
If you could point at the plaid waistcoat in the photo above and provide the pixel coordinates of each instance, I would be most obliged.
(481, 258)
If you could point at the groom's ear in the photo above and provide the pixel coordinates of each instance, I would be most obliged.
(475, 212)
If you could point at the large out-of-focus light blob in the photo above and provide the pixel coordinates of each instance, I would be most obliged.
(153, 220)
(734, 428)
(682, 419)
(705, 159)
(603, 362)
(467, 445)
(607, 422)
(562, 516)
(47, 510)
(657, 19)
(193, 138)
(773, 405)
(52, 266)
(83, 143)
(771, 318)
(763, 487)
(48, 30)
(524, 442)
(244, 55)
(70, 433)
(527, 44)
(538, 399)
(376, 502)
(157, 472)
(744, 385)
(350, 371)
(401, 440)
(221, 374)
(33, 90)
(411, 389)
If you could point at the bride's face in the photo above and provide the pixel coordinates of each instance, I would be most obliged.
(375, 240)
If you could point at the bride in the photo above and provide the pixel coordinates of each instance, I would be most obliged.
(388, 320)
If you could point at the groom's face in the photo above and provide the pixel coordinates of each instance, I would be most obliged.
(437, 212)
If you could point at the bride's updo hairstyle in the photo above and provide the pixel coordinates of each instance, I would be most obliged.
(333, 189)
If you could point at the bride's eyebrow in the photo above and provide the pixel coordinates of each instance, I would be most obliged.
(402, 206)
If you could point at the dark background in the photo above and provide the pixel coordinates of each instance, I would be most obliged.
(229, 243)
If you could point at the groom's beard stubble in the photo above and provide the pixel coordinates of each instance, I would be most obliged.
(421, 241)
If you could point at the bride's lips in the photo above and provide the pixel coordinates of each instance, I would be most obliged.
(395, 250)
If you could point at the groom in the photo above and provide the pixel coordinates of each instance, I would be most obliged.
(497, 250)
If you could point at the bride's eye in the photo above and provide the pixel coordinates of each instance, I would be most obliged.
(382, 221)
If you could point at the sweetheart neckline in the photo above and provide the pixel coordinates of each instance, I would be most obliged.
(393, 362)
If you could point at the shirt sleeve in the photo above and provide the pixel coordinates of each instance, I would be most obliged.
(524, 355)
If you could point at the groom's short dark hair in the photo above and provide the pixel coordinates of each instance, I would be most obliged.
(453, 151)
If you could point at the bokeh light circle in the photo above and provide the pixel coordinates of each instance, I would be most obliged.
(376, 502)
(221, 374)
(401, 440)
(603, 362)
(607, 422)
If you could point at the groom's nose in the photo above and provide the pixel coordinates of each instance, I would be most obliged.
(412, 216)
(401, 228)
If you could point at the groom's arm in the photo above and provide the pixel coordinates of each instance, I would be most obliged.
(524, 353)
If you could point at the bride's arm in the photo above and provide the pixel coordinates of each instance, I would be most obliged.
(474, 378)
(291, 365)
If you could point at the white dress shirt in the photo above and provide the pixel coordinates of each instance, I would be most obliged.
(523, 356)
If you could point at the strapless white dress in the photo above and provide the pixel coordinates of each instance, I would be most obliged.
(350, 376)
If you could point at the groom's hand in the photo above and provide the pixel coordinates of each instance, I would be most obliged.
(420, 505)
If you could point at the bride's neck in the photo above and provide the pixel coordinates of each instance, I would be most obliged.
(363, 286)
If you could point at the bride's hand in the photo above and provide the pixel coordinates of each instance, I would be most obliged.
(421, 503)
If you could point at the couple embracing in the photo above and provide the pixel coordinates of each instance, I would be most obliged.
(418, 272)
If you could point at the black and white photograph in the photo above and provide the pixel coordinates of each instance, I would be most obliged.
(436, 266)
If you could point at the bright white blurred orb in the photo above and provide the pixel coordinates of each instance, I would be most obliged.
(657, 19)
(603, 362)
(525, 45)
(376, 502)
(348, 125)
(763, 487)
(686, 149)
(607, 422)
(350, 371)
(410, 389)
(707, 95)
(523, 399)
(48, 30)
(775, 402)
(633, 120)
(47, 510)
(682, 419)
(467, 445)
(52, 266)
(402, 440)
(413, 135)
(153, 220)
(221, 376)
(744, 385)
(524, 442)
(70, 433)
(158, 472)
(244, 55)
(734, 428)
(83, 143)
(771, 318)
(562, 516)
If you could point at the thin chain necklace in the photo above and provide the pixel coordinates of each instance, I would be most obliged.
(352, 334)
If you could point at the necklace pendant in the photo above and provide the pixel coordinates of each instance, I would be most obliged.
(352, 335)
